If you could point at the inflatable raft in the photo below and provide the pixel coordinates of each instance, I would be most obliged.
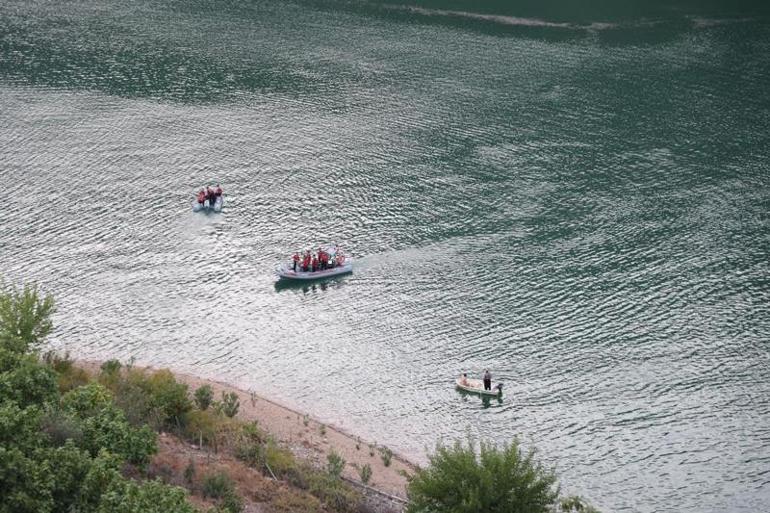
(286, 271)
(207, 207)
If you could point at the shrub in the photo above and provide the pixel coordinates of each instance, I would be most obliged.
(230, 404)
(251, 452)
(496, 481)
(576, 504)
(19, 427)
(386, 455)
(60, 427)
(335, 464)
(104, 426)
(125, 496)
(25, 318)
(68, 376)
(281, 461)
(333, 492)
(25, 483)
(189, 472)
(169, 396)
(217, 485)
(202, 426)
(203, 397)
(27, 382)
(365, 473)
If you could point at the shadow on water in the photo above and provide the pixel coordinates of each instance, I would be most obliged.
(319, 285)
(486, 400)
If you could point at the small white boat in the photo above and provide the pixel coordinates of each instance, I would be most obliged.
(476, 386)
(207, 207)
(286, 271)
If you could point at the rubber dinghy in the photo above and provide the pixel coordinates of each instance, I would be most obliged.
(207, 207)
(285, 272)
(341, 265)
(476, 386)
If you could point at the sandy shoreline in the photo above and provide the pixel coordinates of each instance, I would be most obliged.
(302, 433)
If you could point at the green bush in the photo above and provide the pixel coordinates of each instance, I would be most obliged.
(124, 496)
(229, 405)
(220, 486)
(104, 426)
(576, 504)
(25, 318)
(335, 464)
(170, 396)
(153, 398)
(365, 473)
(203, 397)
(27, 382)
(386, 455)
(333, 492)
(217, 485)
(68, 375)
(61, 427)
(20, 427)
(503, 480)
(25, 483)
(202, 426)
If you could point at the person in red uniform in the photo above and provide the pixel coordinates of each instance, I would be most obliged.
(295, 258)
(218, 191)
(315, 263)
(306, 262)
(201, 196)
(321, 259)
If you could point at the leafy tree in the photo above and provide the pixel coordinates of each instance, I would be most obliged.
(25, 318)
(19, 427)
(70, 467)
(25, 484)
(26, 381)
(505, 480)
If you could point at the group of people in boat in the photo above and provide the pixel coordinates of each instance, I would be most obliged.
(209, 194)
(319, 261)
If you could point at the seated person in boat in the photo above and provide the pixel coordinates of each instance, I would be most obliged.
(464, 380)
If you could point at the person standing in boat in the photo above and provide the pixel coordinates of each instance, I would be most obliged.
(306, 261)
(295, 258)
(315, 263)
(487, 380)
(218, 191)
(201, 196)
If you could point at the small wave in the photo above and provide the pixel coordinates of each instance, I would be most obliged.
(502, 19)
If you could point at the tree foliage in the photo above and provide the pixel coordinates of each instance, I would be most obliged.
(25, 318)
(494, 480)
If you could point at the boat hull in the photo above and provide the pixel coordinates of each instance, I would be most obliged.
(206, 206)
(286, 272)
(476, 386)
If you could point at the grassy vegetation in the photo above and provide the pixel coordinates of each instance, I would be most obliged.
(71, 442)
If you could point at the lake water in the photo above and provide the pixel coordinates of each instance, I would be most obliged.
(576, 199)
